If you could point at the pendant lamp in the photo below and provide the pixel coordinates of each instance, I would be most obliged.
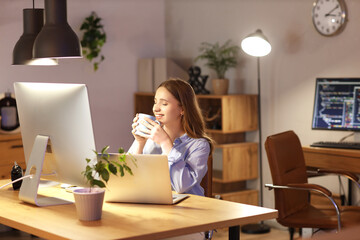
(56, 39)
(33, 20)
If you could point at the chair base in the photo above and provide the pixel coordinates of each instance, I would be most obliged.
(258, 228)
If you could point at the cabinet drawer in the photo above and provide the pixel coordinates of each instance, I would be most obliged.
(11, 150)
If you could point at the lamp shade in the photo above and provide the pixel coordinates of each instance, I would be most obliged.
(33, 20)
(256, 44)
(56, 39)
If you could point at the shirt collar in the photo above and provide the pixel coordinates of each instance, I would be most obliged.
(181, 139)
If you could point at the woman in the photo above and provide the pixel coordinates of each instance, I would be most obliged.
(180, 135)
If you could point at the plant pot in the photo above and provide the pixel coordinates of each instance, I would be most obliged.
(220, 86)
(89, 203)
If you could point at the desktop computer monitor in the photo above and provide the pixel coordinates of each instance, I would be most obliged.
(337, 104)
(57, 135)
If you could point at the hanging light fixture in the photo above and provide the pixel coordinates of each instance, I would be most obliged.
(56, 39)
(33, 20)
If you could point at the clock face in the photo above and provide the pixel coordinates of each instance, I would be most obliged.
(329, 16)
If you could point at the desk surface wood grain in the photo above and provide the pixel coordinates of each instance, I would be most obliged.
(125, 221)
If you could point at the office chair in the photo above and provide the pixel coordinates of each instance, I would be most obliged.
(206, 182)
(291, 188)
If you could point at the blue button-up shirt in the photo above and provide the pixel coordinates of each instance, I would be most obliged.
(187, 162)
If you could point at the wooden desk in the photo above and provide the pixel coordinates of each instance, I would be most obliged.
(334, 158)
(127, 221)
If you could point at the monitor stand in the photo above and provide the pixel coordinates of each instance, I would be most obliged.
(29, 187)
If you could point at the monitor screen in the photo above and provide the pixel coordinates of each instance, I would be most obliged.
(336, 104)
(57, 132)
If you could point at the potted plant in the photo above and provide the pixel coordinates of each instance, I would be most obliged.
(89, 201)
(93, 39)
(219, 58)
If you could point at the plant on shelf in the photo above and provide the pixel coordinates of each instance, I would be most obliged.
(219, 58)
(93, 39)
(89, 201)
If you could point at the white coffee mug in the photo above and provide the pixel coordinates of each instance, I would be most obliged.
(140, 127)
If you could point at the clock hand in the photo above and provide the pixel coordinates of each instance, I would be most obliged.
(333, 15)
(328, 14)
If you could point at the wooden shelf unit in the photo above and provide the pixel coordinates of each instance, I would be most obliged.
(11, 150)
(228, 117)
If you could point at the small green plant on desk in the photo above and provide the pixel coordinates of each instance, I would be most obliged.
(89, 201)
(98, 174)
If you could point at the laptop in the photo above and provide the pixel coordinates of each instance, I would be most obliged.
(149, 184)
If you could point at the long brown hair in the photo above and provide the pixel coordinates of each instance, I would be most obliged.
(192, 119)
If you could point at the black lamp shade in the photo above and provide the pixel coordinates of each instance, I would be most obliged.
(56, 39)
(33, 22)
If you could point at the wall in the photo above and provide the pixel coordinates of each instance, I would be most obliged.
(299, 55)
(134, 29)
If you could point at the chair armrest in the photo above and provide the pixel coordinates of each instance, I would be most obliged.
(310, 187)
(353, 177)
(314, 187)
(303, 186)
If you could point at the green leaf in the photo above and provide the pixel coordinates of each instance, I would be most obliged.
(121, 170)
(105, 175)
(112, 168)
(128, 169)
(98, 183)
(105, 149)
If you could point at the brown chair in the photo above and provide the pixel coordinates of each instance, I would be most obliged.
(206, 182)
(288, 171)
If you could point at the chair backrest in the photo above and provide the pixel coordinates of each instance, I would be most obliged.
(206, 182)
(287, 165)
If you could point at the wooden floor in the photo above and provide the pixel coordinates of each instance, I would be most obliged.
(221, 234)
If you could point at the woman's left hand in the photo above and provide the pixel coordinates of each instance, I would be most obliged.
(156, 133)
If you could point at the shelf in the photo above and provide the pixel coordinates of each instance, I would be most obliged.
(235, 162)
(218, 108)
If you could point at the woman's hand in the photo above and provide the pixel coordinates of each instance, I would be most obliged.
(138, 138)
(157, 134)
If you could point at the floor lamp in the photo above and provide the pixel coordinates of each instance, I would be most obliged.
(257, 45)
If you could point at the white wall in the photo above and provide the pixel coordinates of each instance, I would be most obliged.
(134, 29)
(288, 74)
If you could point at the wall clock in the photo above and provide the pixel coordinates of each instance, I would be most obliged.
(329, 16)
